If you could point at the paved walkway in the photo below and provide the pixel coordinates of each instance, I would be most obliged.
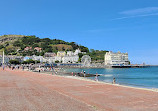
(27, 91)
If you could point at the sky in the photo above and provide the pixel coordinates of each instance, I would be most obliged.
(114, 25)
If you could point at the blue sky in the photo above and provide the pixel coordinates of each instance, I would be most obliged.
(115, 25)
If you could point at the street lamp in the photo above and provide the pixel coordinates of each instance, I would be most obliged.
(3, 58)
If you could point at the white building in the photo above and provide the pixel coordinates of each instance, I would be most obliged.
(52, 59)
(70, 59)
(70, 53)
(37, 58)
(62, 57)
(56, 58)
(118, 58)
(49, 54)
(6, 59)
(61, 53)
(77, 51)
(48, 60)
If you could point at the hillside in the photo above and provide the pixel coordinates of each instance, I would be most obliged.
(5, 38)
(62, 47)
(17, 44)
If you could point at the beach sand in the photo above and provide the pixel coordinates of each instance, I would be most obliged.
(23, 90)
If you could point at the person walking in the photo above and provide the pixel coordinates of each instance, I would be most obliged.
(114, 81)
(3, 67)
(84, 73)
(96, 77)
(72, 73)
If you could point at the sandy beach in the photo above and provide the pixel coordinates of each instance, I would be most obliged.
(27, 91)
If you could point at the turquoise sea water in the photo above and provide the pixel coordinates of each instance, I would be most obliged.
(137, 77)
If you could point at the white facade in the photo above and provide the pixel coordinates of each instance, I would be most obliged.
(70, 53)
(6, 59)
(62, 57)
(56, 58)
(77, 51)
(37, 58)
(118, 58)
(53, 59)
(70, 59)
(49, 54)
(61, 53)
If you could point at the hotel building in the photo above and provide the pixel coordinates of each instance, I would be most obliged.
(118, 58)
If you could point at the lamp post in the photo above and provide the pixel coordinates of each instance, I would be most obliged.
(3, 61)
(3, 58)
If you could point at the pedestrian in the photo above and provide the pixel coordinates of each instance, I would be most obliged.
(72, 74)
(3, 67)
(96, 77)
(114, 81)
(13, 68)
(23, 68)
(84, 73)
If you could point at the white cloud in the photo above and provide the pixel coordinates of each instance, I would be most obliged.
(147, 10)
(141, 12)
(145, 15)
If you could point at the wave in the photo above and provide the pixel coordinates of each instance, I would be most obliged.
(107, 75)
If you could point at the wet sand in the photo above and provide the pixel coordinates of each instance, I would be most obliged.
(23, 90)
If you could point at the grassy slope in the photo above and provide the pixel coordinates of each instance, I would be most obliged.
(60, 46)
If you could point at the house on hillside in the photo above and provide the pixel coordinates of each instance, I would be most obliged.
(37, 58)
(70, 59)
(28, 48)
(38, 49)
(77, 51)
(13, 57)
(49, 54)
(61, 53)
(70, 53)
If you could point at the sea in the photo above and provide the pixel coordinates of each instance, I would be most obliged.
(135, 77)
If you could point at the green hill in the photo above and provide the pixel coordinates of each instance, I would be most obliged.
(16, 44)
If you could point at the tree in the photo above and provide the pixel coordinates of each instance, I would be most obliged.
(49, 49)
(63, 49)
(17, 44)
(47, 41)
(29, 40)
(35, 45)
(80, 55)
(56, 61)
(14, 62)
(79, 60)
(29, 61)
(6, 44)
(74, 45)
(1, 46)
(84, 49)
(42, 53)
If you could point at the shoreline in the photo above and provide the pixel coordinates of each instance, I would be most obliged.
(106, 77)
(101, 82)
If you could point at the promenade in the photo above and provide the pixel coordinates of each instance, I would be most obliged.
(29, 91)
